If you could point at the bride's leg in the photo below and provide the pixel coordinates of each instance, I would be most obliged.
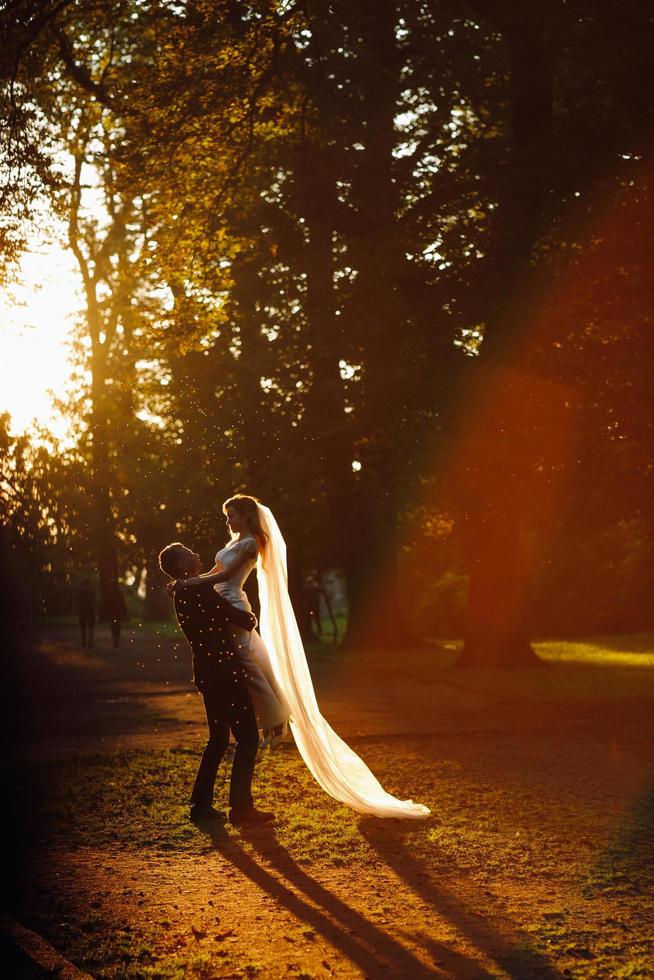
(268, 706)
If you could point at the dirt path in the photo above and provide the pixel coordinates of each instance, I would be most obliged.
(536, 862)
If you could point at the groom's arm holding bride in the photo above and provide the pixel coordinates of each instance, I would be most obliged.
(232, 613)
(246, 620)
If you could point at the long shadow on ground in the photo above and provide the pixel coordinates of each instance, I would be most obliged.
(514, 954)
(360, 940)
(625, 866)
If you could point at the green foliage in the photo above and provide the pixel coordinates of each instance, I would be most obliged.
(317, 223)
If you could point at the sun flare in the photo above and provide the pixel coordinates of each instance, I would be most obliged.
(35, 333)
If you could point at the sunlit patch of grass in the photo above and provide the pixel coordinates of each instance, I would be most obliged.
(619, 651)
(639, 967)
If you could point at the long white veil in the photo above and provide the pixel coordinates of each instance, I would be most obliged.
(334, 765)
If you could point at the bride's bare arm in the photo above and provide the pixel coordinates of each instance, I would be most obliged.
(219, 573)
(216, 568)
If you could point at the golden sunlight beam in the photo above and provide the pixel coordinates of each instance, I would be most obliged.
(36, 324)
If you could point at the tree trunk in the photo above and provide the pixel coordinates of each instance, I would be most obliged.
(378, 319)
(103, 519)
(498, 455)
(325, 423)
(101, 328)
(495, 633)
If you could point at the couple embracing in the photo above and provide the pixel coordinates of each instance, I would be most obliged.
(253, 680)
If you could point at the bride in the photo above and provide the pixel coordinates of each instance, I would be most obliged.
(279, 679)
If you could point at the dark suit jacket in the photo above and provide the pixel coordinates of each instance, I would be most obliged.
(203, 617)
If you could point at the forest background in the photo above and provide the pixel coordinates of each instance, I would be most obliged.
(387, 265)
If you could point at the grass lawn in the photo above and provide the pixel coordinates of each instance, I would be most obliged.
(537, 860)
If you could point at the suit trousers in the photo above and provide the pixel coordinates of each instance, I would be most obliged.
(223, 715)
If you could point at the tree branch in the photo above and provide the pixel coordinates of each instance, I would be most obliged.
(81, 74)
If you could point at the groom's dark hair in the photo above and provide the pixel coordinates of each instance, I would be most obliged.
(168, 558)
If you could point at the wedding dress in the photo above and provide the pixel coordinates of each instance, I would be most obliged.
(334, 765)
(268, 702)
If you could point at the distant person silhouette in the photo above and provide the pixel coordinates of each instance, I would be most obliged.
(116, 610)
(85, 605)
(313, 593)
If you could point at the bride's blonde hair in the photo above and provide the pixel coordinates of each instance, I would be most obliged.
(246, 506)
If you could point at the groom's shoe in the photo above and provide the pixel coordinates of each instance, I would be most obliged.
(250, 815)
(199, 814)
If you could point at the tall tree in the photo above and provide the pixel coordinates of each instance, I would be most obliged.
(518, 401)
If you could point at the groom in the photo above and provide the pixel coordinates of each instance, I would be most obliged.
(203, 617)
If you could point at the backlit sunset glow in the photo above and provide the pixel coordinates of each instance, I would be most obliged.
(326, 483)
(37, 319)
